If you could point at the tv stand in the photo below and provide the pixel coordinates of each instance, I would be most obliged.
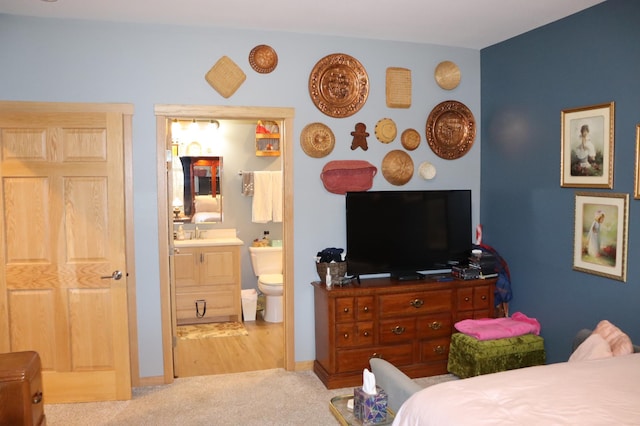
(407, 323)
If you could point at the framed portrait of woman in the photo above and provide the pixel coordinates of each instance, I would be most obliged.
(587, 146)
(600, 234)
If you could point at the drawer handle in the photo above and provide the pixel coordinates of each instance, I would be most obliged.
(466, 299)
(484, 297)
(416, 303)
(436, 325)
(439, 349)
(346, 335)
(346, 310)
(366, 334)
(204, 308)
(366, 309)
(37, 397)
(397, 330)
(376, 355)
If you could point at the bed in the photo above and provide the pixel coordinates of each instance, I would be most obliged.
(207, 209)
(593, 392)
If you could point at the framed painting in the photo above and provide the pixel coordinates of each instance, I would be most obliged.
(587, 147)
(636, 191)
(600, 234)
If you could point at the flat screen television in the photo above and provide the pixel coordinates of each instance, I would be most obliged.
(407, 233)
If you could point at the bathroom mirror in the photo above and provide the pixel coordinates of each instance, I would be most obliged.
(200, 188)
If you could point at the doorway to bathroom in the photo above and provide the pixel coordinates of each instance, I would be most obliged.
(268, 345)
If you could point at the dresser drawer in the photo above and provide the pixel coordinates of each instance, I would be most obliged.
(345, 309)
(434, 349)
(473, 298)
(21, 396)
(415, 303)
(203, 303)
(358, 334)
(433, 326)
(358, 359)
(397, 330)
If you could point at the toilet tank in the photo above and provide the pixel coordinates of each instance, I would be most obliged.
(266, 260)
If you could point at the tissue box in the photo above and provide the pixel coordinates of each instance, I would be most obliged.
(370, 409)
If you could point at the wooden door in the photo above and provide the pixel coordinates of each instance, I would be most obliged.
(62, 235)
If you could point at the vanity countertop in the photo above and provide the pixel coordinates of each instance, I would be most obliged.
(212, 237)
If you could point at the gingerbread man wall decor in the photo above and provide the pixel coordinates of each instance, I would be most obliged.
(360, 137)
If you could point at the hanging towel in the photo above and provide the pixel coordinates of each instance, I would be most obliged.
(262, 208)
(247, 184)
(276, 183)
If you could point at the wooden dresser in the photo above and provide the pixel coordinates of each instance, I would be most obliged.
(407, 323)
(21, 400)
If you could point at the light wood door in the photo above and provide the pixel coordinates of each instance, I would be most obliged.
(62, 231)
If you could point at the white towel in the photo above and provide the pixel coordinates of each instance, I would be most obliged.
(276, 184)
(262, 208)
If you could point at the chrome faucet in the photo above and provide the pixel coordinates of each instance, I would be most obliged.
(197, 233)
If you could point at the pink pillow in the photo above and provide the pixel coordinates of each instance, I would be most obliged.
(619, 342)
(593, 347)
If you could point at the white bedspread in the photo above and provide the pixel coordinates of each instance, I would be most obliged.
(595, 392)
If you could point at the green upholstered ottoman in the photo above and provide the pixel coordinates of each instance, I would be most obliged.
(469, 356)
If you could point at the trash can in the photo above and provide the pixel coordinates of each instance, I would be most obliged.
(249, 304)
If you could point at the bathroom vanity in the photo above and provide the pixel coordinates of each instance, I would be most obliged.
(207, 278)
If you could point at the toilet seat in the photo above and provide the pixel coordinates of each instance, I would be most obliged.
(271, 279)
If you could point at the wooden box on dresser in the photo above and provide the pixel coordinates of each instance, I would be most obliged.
(408, 323)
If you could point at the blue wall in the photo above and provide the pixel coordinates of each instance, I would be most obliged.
(589, 58)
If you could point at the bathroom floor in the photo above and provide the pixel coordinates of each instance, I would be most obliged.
(261, 349)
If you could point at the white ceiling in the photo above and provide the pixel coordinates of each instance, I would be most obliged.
(461, 23)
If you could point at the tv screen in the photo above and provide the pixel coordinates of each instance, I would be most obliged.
(405, 232)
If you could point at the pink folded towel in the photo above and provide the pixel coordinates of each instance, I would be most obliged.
(499, 328)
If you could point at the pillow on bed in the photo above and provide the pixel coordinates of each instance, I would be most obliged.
(206, 203)
(593, 347)
(619, 342)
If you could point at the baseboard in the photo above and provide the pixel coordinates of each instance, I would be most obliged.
(304, 366)
(152, 381)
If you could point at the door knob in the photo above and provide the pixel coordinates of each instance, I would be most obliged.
(117, 275)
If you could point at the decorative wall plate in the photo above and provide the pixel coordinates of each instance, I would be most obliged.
(317, 140)
(397, 167)
(427, 170)
(447, 75)
(451, 130)
(263, 59)
(386, 130)
(339, 85)
(410, 139)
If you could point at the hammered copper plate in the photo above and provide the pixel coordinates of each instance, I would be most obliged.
(339, 85)
(410, 139)
(317, 140)
(451, 130)
(397, 167)
(263, 59)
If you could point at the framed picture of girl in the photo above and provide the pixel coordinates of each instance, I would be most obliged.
(600, 234)
(587, 135)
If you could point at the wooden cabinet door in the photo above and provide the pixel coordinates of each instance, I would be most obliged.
(186, 262)
(62, 232)
(219, 265)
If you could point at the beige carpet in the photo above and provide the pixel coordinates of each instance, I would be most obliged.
(216, 329)
(268, 397)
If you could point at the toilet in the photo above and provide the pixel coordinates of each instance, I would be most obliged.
(267, 265)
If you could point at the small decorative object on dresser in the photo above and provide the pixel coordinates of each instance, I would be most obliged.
(21, 398)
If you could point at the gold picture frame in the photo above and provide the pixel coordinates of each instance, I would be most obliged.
(587, 147)
(600, 234)
(636, 191)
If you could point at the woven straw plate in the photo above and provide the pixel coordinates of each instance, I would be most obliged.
(410, 139)
(386, 130)
(447, 75)
(263, 59)
(397, 167)
(317, 140)
(451, 130)
(225, 76)
(339, 85)
(398, 87)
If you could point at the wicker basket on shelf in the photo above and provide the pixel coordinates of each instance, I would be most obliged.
(337, 270)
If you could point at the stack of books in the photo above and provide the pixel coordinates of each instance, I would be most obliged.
(486, 263)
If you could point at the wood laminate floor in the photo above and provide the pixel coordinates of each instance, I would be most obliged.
(262, 349)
